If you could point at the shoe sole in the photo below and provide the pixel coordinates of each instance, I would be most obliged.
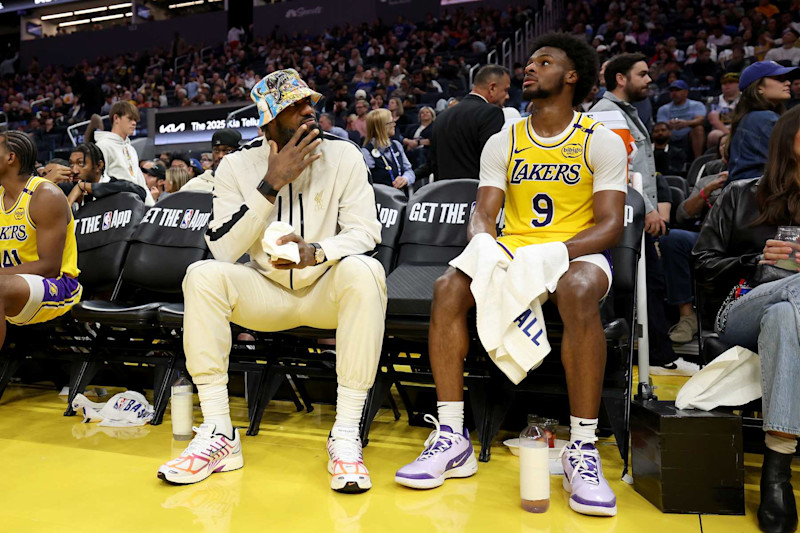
(582, 508)
(232, 463)
(468, 469)
(349, 483)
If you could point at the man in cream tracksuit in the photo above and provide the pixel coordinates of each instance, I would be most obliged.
(122, 161)
(318, 184)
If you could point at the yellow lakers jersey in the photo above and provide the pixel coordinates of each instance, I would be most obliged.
(549, 187)
(18, 242)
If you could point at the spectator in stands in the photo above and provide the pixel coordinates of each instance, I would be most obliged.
(207, 160)
(180, 160)
(89, 180)
(676, 249)
(765, 89)
(254, 188)
(56, 170)
(176, 179)
(122, 161)
(787, 51)
(627, 80)
(706, 191)
(461, 131)
(795, 87)
(155, 174)
(376, 102)
(417, 138)
(352, 132)
(384, 156)
(360, 124)
(721, 113)
(767, 8)
(670, 158)
(561, 71)
(223, 142)
(685, 118)
(326, 122)
(39, 252)
(737, 242)
(763, 45)
(398, 112)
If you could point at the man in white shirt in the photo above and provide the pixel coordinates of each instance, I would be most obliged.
(787, 51)
(722, 109)
(322, 189)
(122, 161)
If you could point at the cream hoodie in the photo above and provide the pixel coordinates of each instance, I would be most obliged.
(122, 161)
(331, 203)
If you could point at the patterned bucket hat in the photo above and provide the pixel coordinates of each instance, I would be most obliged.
(277, 91)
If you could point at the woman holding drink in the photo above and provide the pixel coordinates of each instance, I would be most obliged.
(751, 234)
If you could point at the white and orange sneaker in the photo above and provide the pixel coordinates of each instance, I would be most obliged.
(208, 453)
(346, 462)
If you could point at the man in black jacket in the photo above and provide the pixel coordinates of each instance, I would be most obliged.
(460, 132)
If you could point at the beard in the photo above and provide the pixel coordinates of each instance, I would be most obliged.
(636, 95)
(541, 93)
(284, 134)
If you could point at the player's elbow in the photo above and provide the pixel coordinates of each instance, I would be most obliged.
(49, 268)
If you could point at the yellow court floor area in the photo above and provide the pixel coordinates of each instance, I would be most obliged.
(62, 475)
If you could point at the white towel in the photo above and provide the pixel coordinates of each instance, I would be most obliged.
(509, 297)
(275, 231)
(733, 378)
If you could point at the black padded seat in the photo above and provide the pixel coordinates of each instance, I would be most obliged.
(171, 315)
(410, 289)
(124, 316)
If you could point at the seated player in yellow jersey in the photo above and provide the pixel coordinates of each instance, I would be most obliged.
(38, 252)
(562, 177)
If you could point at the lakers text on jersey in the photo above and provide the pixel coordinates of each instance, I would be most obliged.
(549, 185)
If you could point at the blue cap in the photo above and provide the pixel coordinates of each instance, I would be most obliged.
(762, 69)
(679, 84)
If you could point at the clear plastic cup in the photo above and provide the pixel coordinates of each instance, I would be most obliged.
(788, 234)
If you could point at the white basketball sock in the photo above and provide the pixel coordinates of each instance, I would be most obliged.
(214, 404)
(349, 407)
(582, 429)
(451, 414)
(776, 443)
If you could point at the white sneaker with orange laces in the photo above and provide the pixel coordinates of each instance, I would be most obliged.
(346, 462)
(208, 453)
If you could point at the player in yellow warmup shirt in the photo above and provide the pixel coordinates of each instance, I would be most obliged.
(562, 178)
(38, 252)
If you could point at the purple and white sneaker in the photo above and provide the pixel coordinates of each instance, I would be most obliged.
(446, 455)
(583, 478)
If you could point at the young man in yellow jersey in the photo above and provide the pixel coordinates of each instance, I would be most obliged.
(562, 177)
(38, 252)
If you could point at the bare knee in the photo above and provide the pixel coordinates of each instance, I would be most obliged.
(578, 297)
(451, 292)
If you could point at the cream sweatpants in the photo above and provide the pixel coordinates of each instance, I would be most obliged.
(350, 298)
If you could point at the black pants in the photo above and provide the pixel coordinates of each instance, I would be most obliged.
(661, 352)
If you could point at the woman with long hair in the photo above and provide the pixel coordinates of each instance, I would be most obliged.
(176, 179)
(738, 241)
(385, 157)
(765, 88)
(398, 112)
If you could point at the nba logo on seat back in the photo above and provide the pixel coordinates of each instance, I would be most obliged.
(187, 217)
(107, 216)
